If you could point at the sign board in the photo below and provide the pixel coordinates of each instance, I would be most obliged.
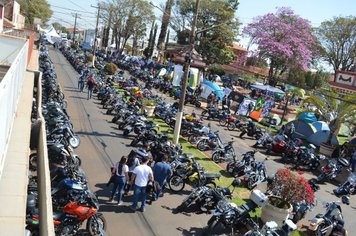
(346, 78)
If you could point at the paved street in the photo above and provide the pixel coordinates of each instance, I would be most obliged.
(102, 145)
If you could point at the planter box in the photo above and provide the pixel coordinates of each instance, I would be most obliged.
(272, 213)
(149, 110)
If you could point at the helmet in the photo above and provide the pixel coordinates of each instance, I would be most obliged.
(194, 115)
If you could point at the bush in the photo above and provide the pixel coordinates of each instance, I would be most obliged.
(110, 68)
(149, 102)
(290, 187)
(90, 58)
(216, 69)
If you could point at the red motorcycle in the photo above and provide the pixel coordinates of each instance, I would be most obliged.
(224, 121)
(69, 221)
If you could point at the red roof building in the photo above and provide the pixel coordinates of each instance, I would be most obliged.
(344, 82)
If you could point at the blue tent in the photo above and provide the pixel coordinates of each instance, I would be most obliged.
(307, 117)
(321, 134)
(209, 87)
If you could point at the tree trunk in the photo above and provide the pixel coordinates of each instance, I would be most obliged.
(153, 39)
(165, 22)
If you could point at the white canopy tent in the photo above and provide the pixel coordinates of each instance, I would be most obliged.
(50, 34)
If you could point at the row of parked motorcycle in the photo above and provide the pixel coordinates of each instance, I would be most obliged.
(73, 202)
(206, 197)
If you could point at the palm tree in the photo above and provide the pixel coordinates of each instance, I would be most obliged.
(332, 109)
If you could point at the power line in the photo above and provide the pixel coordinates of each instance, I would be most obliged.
(64, 8)
(75, 4)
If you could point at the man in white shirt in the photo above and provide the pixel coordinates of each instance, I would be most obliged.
(142, 174)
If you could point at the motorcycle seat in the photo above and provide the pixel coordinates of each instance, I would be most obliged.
(212, 175)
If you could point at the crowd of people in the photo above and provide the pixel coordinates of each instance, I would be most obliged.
(141, 176)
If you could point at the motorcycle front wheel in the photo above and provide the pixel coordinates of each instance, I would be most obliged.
(74, 141)
(231, 127)
(201, 145)
(96, 225)
(222, 122)
(176, 183)
(216, 157)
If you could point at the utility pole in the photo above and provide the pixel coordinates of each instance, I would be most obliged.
(185, 75)
(96, 32)
(75, 26)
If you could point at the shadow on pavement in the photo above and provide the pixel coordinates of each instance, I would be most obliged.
(191, 231)
(94, 133)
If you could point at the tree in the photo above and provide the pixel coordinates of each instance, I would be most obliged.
(338, 40)
(35, 8)
(165, 22)
(58, 26)
(333, 110)
(215, 43)
(284, 39)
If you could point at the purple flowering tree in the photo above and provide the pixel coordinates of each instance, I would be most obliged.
(284, 39)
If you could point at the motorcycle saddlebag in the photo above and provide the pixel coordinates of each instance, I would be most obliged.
(258, 197)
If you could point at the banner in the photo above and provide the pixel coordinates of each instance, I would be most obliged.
(193, 77)
(177, 75)
(269, 104)
(243, 108)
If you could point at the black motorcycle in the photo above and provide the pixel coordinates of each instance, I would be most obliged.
(348, 187)
(332, 169)
(226, 153)
(239, 167)
(203, 199)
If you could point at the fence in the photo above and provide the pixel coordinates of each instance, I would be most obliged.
(10, 89)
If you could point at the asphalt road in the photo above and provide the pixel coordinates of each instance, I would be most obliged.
(102, 144)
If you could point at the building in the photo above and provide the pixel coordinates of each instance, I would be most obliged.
(12, 15)
(344, 82)
(238, 66)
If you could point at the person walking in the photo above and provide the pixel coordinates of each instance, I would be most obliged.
(90, 84)
(120, 176)
(140, 176)
(161, 172)
(132, 163)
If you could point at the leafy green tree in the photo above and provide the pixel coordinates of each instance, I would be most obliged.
(338, 40)
(60, 27)
(35, 8)
(215, 43)
(335, 111)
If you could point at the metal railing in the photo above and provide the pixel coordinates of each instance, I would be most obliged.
(10, 89)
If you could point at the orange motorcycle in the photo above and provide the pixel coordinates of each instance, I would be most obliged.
(69, 221)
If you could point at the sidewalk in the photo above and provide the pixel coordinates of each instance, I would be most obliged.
(13, 184)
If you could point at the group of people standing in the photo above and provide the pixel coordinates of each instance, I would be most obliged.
(213, 101)
(133, 173)
(87, 79)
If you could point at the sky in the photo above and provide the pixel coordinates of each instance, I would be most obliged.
(316, 11)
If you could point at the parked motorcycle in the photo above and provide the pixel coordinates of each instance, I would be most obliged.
(332, 169)
(323, 224)
(230, 216)
(257, 174)
(224, 154)
(348, 187)
(204, 199)
(239, 167)
(210, 142)
(193, 174)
